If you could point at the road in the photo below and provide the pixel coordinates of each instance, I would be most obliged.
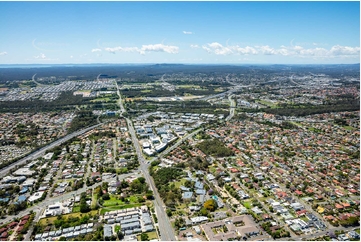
(40, 152)
(231, 108)
(165, 227)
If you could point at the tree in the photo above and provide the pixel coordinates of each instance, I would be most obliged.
(210, 205)
(149, 194)
(141, 179)
(120, 235)
(204, 211)
(144, 237)
(106, 196)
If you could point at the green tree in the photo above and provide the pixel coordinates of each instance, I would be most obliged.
(144, 237)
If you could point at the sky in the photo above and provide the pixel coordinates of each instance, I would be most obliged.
(180, 32)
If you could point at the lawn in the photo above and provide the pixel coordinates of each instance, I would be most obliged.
(133, 199)
(117, 228)
(50, 220)
(269, 104)
(113, 201)
(247, 205)
(151, 235)
(104, 99)
(104, 210)
(76, 209)
(348, 128)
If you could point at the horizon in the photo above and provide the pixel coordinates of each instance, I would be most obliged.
(231, 33)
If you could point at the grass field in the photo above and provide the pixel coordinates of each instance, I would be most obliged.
(104, 210)
(104, 99)
(269, 104)
(348, 128)
(113, 201)
(116, 228)
(247, 205)
(50, 220)
(189, 86)
(151, 235)
(76, 209)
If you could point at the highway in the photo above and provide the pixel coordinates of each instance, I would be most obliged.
(40, 152)
(231, 108)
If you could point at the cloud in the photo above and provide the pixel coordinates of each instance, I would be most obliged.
(194, 46)
(344, 50)
(244, 51)
(96, 50)
(41, 56)
(187, 32)
(217, 49)
(145, 48)
(71, 57)
(160, 48)
(297, 50)
(3, 53)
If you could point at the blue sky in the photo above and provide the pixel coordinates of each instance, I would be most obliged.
(180, 32)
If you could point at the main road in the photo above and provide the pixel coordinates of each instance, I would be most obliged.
(165, 227)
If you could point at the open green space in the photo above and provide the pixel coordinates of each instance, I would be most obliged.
(116, 228)
(151, 235)
(104, 99)
(108, 209)
(50, 220)
(113, 201)
(267, 103)
(76, 209)
(247, 204)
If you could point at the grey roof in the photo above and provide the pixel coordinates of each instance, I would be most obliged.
(130, 225)
(200, 191)
(187, 195)
(111, 221)
(108, 231)
(126, 221)
(148, 228)
(147, 220)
